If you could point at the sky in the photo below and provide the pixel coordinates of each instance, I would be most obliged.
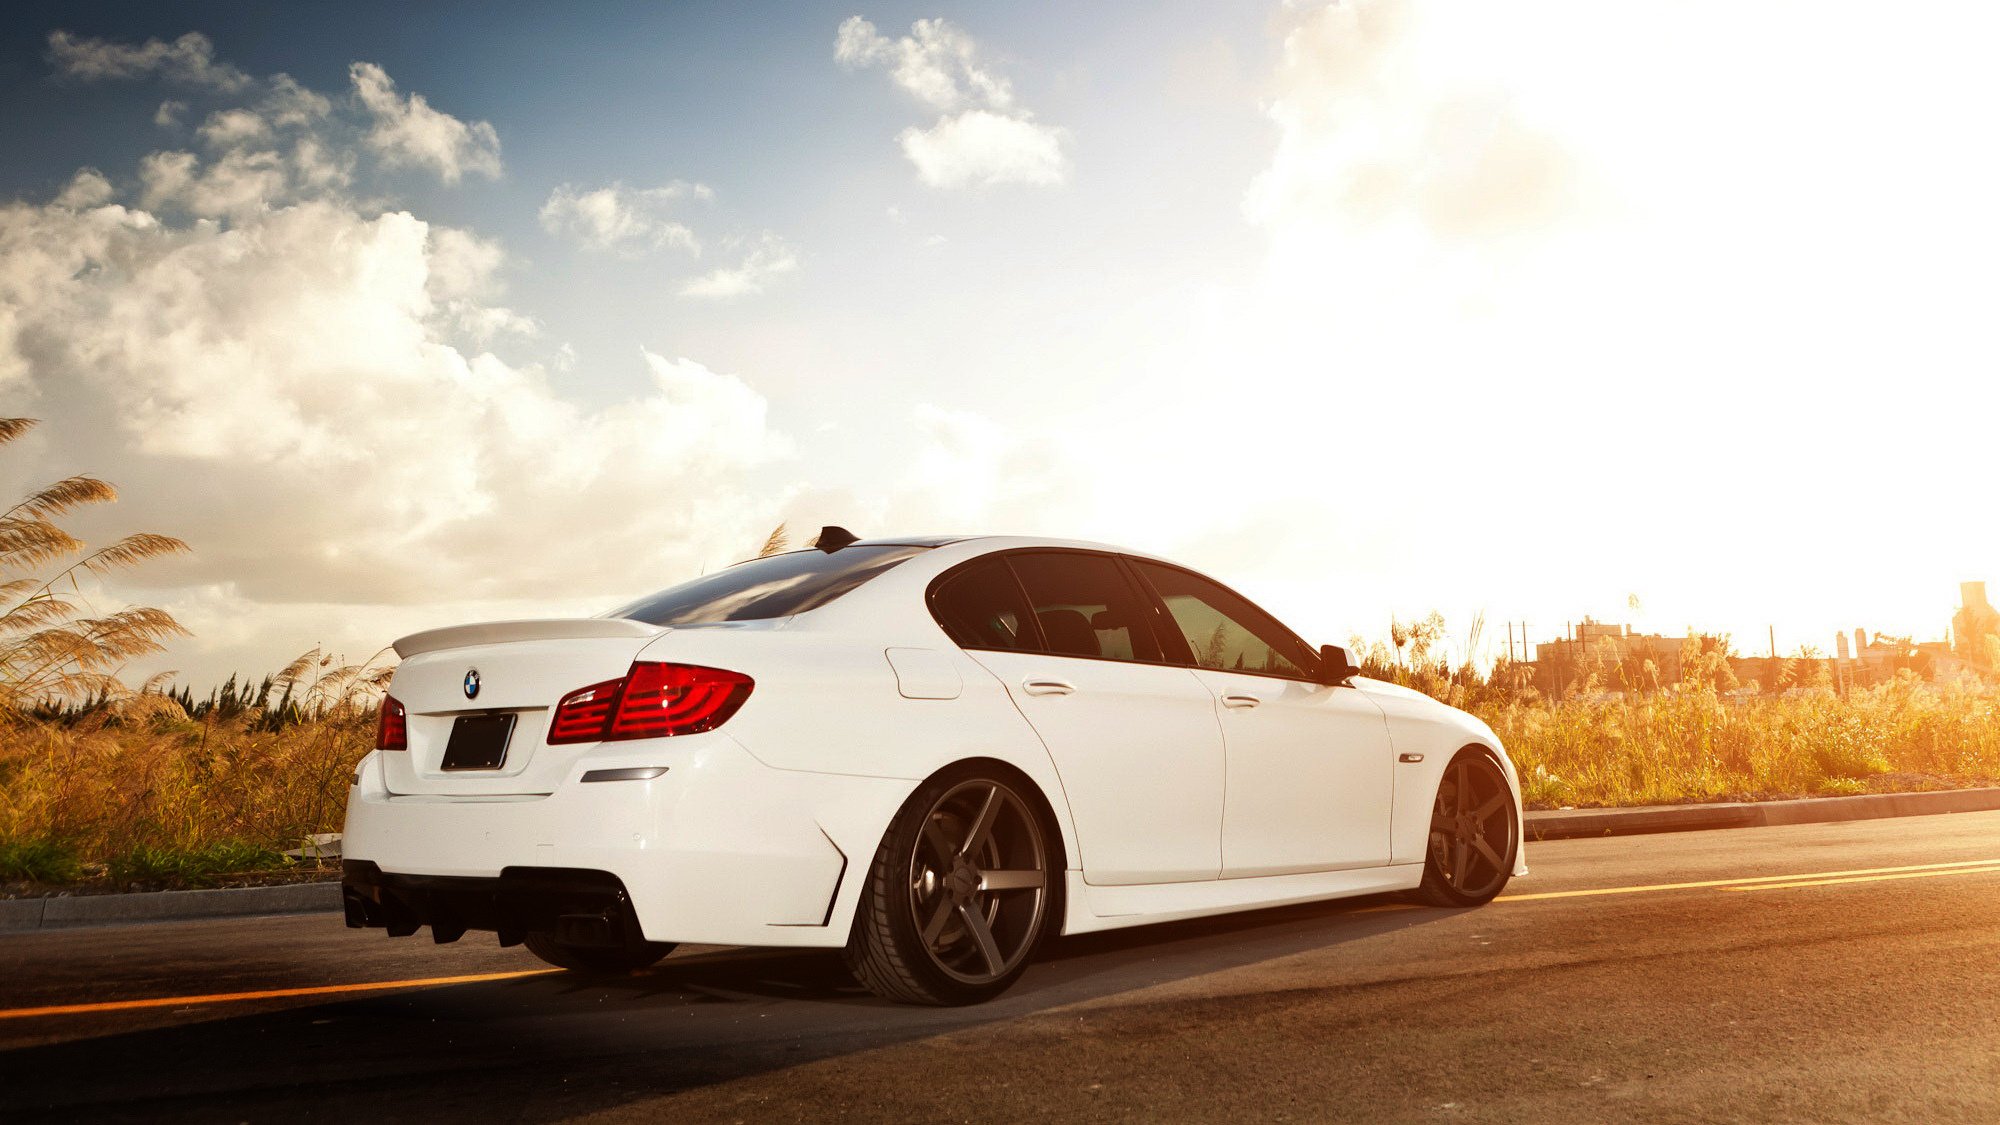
(402, 317)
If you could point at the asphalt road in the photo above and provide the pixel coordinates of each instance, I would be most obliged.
(1778, 992)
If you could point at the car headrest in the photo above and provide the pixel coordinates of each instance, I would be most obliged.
(1069, 632)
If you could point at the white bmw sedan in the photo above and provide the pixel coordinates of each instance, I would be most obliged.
(931, 753)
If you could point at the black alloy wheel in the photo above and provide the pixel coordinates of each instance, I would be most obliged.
(959, 895)
(1474, 833)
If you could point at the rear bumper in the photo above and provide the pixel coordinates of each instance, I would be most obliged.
(579, 907)
(721, 849)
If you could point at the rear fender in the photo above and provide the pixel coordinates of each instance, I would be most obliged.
(804, 679)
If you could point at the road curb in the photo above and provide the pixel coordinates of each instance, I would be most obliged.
(1574, 824)
(69, 911)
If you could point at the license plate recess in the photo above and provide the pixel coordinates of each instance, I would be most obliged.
(478, 742)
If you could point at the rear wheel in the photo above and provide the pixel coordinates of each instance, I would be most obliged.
(959, 894)
(1474, 833)
(594, 958)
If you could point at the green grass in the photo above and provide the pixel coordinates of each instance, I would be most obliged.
(196, 866)
(39, 861)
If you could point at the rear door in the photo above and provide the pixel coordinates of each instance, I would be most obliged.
(1134, 738)
(1310, 767)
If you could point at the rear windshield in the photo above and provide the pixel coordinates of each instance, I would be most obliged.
(778, 586)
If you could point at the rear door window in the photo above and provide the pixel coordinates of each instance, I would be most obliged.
(1085, 606)
(983, 607)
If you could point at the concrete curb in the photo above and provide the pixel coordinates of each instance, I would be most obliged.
(166, 906)
(1573, 824)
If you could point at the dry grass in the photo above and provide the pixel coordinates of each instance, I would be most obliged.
(1695, 740)
(1698, 746)
(53, 644)
(141, 792)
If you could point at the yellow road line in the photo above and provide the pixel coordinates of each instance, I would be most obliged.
(1794, 878)
(268, 994)
(1750, 883)
(1869, 878)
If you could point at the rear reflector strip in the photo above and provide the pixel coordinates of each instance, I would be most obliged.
(629, 773)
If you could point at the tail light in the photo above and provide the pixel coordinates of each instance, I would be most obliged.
(651, 701)
(392, 726)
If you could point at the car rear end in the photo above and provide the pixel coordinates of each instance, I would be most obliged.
(579, 779)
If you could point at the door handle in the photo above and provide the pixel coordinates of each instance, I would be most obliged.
(1240, 699)
(1047, 687)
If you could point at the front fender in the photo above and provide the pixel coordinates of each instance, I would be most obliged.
(1421, 725)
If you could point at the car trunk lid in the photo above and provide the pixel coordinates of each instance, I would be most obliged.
(483, 674)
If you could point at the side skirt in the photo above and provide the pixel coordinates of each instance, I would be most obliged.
(1109, 908)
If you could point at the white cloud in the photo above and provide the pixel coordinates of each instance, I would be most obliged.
(290, 105)
(279, 390)
(408, 131)
(189, 60)
(623, 219)
(237, 184)
(935, 63)
(982, 147)
(229, 128)
(306, 387)
(983, 137)
(88, 188)
(768, 257)
(285, 142)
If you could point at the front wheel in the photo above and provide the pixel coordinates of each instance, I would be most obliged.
(606, 959)
(1474, 834)
(959, 893)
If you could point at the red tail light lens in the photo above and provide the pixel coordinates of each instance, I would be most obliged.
(392, 726)
(652, 701)
(584, 713)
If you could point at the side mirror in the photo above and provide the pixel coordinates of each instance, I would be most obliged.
(1336, 668)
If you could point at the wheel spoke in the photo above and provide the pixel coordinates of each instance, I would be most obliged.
(1493, 805)
(935, 837)
(1012, 880)
(982, 935)
(983, 823)
(1486, 852)
(1461, 858)
(935, 926)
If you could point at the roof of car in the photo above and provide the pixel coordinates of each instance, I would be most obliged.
(915, 541)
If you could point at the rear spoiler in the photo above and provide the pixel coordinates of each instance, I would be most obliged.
(551, 629)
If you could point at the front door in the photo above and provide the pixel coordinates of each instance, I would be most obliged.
(1310, 767)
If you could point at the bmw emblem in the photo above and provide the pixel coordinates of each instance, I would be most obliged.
(472, 683)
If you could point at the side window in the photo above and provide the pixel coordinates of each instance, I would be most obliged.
(1086, 606)
(1225, 631)
(981, 607)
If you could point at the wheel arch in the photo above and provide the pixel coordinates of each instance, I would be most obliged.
(1051, 808)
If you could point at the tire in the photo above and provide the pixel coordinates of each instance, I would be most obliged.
(963, 889)
(1475, 833)
(597, 960)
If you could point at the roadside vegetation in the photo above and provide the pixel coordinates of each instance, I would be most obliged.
(112, 787)
(1621, 737)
